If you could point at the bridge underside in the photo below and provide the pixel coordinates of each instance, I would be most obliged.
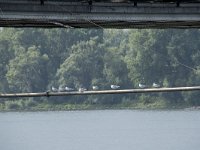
(100, 13)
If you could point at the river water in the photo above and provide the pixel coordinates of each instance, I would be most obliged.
(100, 130)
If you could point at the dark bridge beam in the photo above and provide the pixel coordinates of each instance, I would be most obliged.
(23, 13)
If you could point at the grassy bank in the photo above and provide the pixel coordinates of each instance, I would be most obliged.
(31, 105)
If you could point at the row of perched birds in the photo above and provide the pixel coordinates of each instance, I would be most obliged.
(154, 85)
(68, 89)
(113, 87)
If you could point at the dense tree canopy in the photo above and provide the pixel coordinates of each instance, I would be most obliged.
(34, 60)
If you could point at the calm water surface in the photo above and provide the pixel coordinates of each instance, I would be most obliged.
(100, 130)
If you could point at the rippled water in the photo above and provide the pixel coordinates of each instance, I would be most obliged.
(100, 130)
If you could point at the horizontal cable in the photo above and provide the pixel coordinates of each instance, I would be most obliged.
(124, 91)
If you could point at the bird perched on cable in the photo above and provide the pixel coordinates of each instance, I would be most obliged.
(94, 87)
(155, 85)
(142, 86)
(114, 87)
(61, 89)
(53, 89)
(82, 89)
(68, 89)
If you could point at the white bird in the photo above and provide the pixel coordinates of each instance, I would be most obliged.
(68, 89)
(142, 85)
(82, 89)
(61, 89)
(54, 89)
(94, 87)
(155, 85)
(114, 87)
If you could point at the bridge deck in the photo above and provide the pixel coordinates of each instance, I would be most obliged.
(100, 13)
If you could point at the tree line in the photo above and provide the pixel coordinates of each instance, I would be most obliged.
(34, 60)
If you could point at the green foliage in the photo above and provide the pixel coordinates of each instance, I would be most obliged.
(5, 56)
(83, 65)
(13, 105)
(33, 60)
(26, 73)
